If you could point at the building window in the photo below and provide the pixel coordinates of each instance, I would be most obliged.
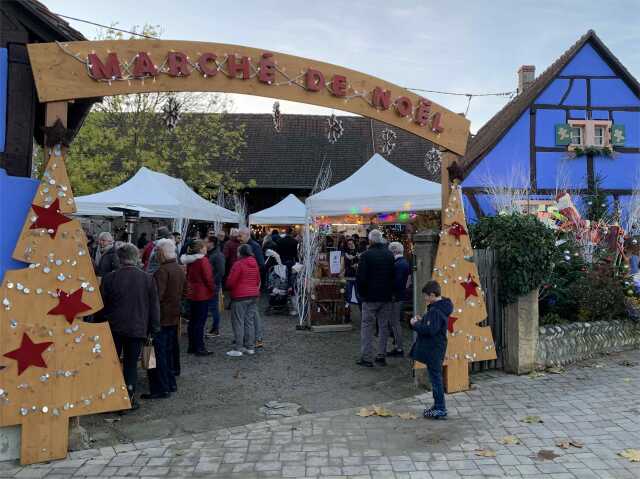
(577, 135)
(599, 135)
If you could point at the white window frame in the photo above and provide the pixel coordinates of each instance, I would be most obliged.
(580, 129)
(588, 133)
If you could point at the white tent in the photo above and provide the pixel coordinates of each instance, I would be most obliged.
(377, 187)
(165, 196)
(289, 211)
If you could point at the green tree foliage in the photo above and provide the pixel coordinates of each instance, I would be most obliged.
(524, 248)
(124, 133)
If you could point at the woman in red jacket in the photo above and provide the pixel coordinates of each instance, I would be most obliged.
(244, 286)
(200, 289)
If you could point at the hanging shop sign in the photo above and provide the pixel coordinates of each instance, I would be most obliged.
(67, 71)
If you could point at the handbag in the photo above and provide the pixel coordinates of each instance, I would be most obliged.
(148, 355)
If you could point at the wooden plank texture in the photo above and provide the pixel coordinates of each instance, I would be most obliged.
(60, 75)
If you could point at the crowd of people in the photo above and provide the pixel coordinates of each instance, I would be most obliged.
(147, 287)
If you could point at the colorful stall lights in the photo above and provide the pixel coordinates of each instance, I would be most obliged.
(353, 211)
(404, 216)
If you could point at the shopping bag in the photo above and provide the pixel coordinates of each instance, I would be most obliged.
(148, 356)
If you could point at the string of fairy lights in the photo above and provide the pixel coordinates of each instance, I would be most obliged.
(296, 80)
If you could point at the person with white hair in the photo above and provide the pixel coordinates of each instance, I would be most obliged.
(172, 286)
(132, 309)
(374, 280)
(402, 272)
(106, 259)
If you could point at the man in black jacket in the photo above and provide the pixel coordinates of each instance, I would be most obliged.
(132, 308)
(431, 343)
(374, 281)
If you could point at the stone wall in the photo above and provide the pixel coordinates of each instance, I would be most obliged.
(567, 343)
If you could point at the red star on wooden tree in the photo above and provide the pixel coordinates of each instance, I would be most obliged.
(70, 305)
(450, 322)
(469, 287)
(29, 353)
(457, 230)
(49, 218)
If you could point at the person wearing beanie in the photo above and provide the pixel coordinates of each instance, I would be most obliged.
(149, 255)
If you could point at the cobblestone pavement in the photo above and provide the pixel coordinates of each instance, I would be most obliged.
(596, 403)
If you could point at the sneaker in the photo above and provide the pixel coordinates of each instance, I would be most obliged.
(214, 333)
(250, 352)
(259, 344)
(366, 364)
(435, 414)
(380, 361)
(234, 354)
(396, 353)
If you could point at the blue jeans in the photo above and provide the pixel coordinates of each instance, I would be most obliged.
(162, 379)
(214, 304)
(197, 321)
(437, 385)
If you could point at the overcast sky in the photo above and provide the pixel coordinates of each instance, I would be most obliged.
(473, 46)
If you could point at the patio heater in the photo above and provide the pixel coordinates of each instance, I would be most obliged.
(131, 214)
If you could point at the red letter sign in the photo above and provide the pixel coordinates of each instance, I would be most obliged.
(178, 64)
(243, 67)
(404, 106)
(267, 71)
(314, 80)
(100, 71)
(421, 116)
(380, 98)
(143, 66)
(203, 63)
(339, 85)
(436, 125)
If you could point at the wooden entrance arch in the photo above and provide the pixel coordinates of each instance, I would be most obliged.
(74, 70)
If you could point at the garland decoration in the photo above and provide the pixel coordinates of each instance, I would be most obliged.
(389, 138)
(335, 130)
(433, 162)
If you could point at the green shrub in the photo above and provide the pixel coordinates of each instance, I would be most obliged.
(599, 295)
(524, 248)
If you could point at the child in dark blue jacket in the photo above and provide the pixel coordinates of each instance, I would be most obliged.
(431, 343)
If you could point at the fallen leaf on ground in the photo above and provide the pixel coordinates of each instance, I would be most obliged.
(563, 445)
(569, 443)
(627, 380)
(536, 375)
(407, 415)
(485, 453)
(598, 366)
(111, 420)
(556, 370)
(632, 454)
(382, 412)
(577, 444)
(532, 419)
(510, 440)
(545, 454)
(364, 412)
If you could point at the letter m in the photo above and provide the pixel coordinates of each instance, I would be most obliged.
(102, 71)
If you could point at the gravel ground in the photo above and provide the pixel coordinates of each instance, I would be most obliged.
(315, 370)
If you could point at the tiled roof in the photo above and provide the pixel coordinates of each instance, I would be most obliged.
(492, 131)
(293, 157)
(59, 28)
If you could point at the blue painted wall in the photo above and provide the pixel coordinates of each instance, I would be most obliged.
(4, 71)
(555, 169)
(16, 195)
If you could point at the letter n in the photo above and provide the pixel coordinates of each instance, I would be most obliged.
(381, 99)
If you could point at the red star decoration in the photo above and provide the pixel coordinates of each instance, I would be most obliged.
(469, 287)
(70, 305)
(29, 354)
(450, 323)
(49, 218)
(457, 230)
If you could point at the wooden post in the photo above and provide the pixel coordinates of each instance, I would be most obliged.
(447, 158)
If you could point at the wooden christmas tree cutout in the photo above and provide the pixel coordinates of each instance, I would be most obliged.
(53, 365)
(458, 277)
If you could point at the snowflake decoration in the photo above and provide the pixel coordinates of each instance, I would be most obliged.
(171, 112)
(335, 130)
(433, 162)
(389, 138)
(277, 117)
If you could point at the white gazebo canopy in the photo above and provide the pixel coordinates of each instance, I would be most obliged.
(289, 211)
(163, 195)
(377, 187)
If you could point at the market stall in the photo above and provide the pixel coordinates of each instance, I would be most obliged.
(289, 211)
(378, 195)
(162, 195)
